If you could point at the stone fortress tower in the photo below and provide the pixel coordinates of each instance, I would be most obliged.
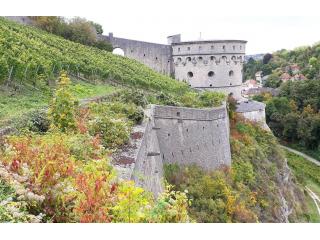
(214, 65)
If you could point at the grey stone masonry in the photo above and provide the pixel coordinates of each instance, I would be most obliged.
(183, 136)
(193, 136)
(214, 65)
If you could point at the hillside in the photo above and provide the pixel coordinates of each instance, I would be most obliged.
(31, 60)
(298, 64)
(34, 55)
(58, 166)
(257, 188)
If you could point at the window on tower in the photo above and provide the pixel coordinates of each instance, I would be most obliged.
(210, 74)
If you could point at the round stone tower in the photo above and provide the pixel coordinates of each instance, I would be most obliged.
(214, 65)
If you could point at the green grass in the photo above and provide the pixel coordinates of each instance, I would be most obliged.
(23, 46)
(314, 187)
(315, 153)
(83, 90)
(308, 175)
(312, 212)
(15, 104)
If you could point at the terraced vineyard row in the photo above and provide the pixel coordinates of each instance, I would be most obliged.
(27, 53)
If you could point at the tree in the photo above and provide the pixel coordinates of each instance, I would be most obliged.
(81, 31)
(273, 81)
(103, 45)
(51, 24)
(63, 107)
(309, 131)
(313, 62)
(290, 123)
(266, 58)
(98, 27)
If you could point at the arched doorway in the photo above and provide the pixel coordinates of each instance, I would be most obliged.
(118, 51)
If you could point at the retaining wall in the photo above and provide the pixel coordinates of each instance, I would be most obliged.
(183, 136)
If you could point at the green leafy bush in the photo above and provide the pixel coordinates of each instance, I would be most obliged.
(76, 185)
(63, 107)
(213, 197)
(113, 132)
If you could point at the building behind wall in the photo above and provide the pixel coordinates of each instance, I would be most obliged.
(214, 65)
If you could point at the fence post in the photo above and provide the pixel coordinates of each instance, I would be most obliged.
(77, 66)
(25, 73)
(9, 76)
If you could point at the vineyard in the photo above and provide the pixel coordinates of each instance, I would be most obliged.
(32, 56)
(57, 164)
(31, 61)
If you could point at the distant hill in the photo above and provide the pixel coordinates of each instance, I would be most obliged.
(255, 57)
(298, 64)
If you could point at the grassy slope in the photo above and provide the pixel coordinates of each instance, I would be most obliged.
(312, 153)
(14, 104)
(22, 45)
(302, 170)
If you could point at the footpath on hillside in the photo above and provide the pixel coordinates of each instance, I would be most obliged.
(315, 197)
(313, 160)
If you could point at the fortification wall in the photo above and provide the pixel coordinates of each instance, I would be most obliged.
(212, 65)
(181, 136)
(148, 169)
(156, 56)
(188, 136)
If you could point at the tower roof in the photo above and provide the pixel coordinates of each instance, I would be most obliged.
(210, 41)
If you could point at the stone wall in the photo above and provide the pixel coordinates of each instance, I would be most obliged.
(181, 136)
(213, 65)
(253, 111)
(156, 56)
(148, 169)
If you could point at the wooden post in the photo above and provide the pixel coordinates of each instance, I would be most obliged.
(9, 76)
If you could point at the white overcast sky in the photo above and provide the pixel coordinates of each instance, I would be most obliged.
(267, 25)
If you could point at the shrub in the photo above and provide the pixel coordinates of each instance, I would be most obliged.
(189, 99)
(211, 99)
(166, 99)
(38, 121)
(103, 45)
(13, 210)
(171, 207)
(94, 193)
(132, 204)
(113, 132)
(118, 110)
(214, 199)
(63, 107)
(134, 96)
(45, 159)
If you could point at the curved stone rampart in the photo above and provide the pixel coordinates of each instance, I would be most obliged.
(183, 136)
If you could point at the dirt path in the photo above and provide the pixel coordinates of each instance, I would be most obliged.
(315, 198)
(315, 161)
